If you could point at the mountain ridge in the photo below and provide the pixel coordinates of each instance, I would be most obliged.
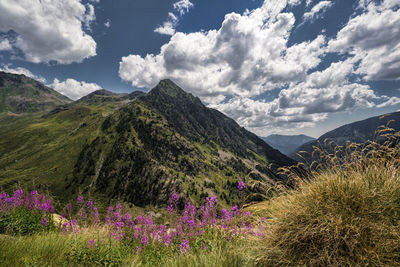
(21, 94)
(138, 148)
(357, 132)
(287, 144)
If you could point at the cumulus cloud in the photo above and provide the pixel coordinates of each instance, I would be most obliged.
(317, 11)
(180, 9)
(74, 89)
(5, 45)
(247, 56)
(232, 68)
(373, 38)
(24, 71)
(304, 103)
(49, 30)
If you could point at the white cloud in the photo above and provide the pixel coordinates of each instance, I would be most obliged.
(107, 23)
(24, 71)
(49, 30)
(373, 39)
(303, 103)
(183, 6)
(232, 68)
(317, 11)
(180, 8)
(74, 89)
(5, 45)
(390, 101)
(168, 27)
(247, 56)
(308, 2)
(90, 16)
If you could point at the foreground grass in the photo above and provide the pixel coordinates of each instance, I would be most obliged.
(56, 249)
(346, 214)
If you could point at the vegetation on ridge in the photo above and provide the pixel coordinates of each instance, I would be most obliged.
(346, 214)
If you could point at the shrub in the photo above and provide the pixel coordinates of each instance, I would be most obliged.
(346, 214)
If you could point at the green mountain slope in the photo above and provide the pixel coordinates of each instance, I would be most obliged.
(356, 132)
(20, 94)
(138, 147)
(168, 141)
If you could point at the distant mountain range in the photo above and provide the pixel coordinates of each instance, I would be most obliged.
(357, 132)
(136, 147)
(287, 144)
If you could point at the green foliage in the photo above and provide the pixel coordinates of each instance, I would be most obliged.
(56, 249)
(22, 221)
(100, 254)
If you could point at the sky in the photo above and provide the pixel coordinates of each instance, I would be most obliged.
(275, 66)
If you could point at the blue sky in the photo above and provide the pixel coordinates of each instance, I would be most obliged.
(274, 66)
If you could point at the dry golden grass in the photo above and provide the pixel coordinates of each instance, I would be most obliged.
(347, 213)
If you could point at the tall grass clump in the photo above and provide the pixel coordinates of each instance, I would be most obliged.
(347, 213)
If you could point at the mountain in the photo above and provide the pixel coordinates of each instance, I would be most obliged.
(357, 132)
(168, 141)
(20, 94)
(287, 144)
(138, 148)
(100, 97)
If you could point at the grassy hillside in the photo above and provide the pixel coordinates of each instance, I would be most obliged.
(346, 215)
(167, 141)
(20, 94)
(42, 149)
(139, 148)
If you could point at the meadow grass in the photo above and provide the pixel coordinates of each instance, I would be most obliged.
(57, 249)
(345, 213)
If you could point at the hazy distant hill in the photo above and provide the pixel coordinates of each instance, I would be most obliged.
(19, 94)
(358, 132)
(137, 147)
(287, 144)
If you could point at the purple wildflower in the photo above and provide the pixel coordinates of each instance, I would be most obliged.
(44, 221)
(89, 204)
(170, 208)
(184, 246)
(91, 243)
(79, 199)
(174, 197)
(241, 185)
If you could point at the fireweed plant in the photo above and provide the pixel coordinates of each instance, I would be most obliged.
(183, 231)
(22, 214)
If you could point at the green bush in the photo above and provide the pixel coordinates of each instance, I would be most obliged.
(22, 221)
